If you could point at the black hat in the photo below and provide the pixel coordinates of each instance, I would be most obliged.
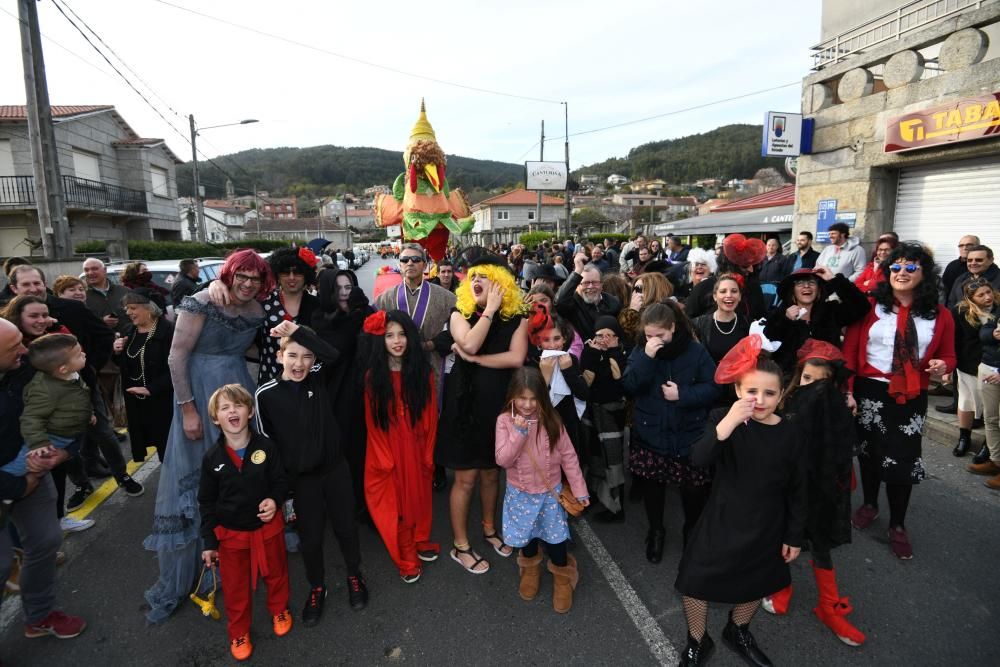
(548, 272)
(656, 266)
(488, 259)
(788, 282)
(609, 322)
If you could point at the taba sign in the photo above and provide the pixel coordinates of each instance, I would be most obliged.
(786, 135)
(545, 175)
(963, 120)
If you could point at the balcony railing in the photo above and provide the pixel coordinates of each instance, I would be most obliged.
(79, 193)
(892, 25)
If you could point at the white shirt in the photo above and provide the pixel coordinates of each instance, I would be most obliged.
(882, 338)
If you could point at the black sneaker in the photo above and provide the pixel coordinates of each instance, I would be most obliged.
(79, 497)
(313, 610)
(132, 487)
(357, 592)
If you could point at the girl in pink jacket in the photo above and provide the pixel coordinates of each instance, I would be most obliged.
(532, 445)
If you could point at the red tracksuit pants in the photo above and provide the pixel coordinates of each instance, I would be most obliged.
(242, 554)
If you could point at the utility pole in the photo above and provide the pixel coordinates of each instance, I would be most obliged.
(199, 204)
(256, 208)
(569, 219)
(538, 205)
(51, 206)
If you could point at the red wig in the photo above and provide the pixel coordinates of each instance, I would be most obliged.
(247, 260)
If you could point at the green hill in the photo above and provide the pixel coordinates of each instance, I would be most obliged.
(731, 151)
(326, 170)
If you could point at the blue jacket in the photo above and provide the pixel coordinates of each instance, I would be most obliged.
(670, 427)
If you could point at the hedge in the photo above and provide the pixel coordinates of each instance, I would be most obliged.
(157, 250)
(599, 238)
(532, 240)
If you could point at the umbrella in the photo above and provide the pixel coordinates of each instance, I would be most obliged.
(317, 245)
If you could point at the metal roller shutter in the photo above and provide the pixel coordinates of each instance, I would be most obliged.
(938, 204)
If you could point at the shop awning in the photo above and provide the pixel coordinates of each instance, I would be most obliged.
(771, 219)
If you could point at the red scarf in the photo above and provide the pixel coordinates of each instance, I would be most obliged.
(904, 378)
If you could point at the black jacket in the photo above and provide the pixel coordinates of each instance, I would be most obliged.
(990, 345)
(968, 348)
(157, 373)
(581, 314)
(95, 337)
(957, 292)
(772, 270)
(183, 286)
(700, 300)
(229, 496)
(808, 260)
(299, 416)
(955, 268)
(11, 406)
(825, 323)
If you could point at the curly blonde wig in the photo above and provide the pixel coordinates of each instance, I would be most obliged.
(513, 301)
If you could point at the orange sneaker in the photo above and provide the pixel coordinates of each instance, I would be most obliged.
(241, 648)
(282, 623)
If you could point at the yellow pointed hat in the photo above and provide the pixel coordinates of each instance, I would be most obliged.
(422, 130)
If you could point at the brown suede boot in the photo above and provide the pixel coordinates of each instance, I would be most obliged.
(564, 580)
(531, 573)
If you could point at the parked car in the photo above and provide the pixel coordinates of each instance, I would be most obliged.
(165, 271)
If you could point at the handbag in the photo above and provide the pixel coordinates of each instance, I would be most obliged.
(565, 497)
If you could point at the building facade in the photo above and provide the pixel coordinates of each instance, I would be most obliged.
(503, 217)
(118, 186)
(907, 123)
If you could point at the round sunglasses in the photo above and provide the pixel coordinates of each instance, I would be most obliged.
(910, 268)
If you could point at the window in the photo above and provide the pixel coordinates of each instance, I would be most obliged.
(641, 203)
(6, 158)
(531, 215)
(86, 165)
(503, 215)
(160, 185)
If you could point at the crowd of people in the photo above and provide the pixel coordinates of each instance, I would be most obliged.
(592, 374)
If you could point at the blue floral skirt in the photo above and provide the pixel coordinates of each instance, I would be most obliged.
(530, 515)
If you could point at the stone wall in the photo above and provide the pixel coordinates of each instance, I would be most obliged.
(852, 102)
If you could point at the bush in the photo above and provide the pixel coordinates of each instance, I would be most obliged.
(91, 247)
(157, 250)
(532, 240)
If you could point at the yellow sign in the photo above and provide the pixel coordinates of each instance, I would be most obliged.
(964, 120)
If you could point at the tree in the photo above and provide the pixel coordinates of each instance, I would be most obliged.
(589, 215)
(768, 178)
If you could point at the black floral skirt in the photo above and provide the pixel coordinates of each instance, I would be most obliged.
(676, 470)
(890, 434)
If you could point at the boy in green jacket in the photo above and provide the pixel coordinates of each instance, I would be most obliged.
(57, 405)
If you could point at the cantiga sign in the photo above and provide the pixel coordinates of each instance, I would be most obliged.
(964, 120)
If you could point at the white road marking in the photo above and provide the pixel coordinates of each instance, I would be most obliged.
(661, 648)
(10, 611)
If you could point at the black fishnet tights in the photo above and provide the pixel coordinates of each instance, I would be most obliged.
(696, 613)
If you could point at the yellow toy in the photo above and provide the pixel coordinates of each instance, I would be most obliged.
(207, 603)
(421, 200)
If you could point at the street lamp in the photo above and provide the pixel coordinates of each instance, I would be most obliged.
(199, 205)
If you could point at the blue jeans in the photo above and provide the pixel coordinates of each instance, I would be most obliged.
(18, 467)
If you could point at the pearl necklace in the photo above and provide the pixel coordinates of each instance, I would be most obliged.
(736, 321)
(141, 355)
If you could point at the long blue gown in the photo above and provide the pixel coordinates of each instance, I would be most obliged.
(216, 359)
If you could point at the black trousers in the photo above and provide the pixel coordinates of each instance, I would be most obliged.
(326, 494)
(101, 437)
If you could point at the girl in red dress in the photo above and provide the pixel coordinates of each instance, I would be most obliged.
(400, 410)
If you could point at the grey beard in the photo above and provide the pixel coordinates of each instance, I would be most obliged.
(591, 300)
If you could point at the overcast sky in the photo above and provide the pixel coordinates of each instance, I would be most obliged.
(613, 62)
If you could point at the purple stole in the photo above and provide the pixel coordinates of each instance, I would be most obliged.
(420, 310)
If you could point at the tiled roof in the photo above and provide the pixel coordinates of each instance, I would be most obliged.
(783, 196)
(20, 112)
(520, 197)
(137, 141)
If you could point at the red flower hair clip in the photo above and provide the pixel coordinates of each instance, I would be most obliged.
(819, 349)
(743, 252)
(309, 257)
(538, 323)
(739, 361)
(375, 323)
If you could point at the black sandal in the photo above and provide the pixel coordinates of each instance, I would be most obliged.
(471, 569)
(498, 549)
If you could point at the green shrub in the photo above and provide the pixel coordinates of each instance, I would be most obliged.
(599, 238)
(90, 247)
(532, 240)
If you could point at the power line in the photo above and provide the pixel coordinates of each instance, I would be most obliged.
(57, 44)
(353, 59)
(677, 111)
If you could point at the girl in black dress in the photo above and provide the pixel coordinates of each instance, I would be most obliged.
(817, 405)
(753, 524)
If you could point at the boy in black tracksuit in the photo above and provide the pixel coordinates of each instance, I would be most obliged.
(296, 412)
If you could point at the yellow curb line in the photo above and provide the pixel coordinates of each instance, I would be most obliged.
(104, 491)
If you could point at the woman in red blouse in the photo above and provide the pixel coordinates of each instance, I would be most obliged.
(905, 338)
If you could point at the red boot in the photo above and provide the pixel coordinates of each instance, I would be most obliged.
(777, 604)
(832, 609)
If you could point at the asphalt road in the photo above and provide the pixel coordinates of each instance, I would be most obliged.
(939, 608)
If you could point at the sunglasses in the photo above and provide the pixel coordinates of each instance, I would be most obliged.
(410, 259)
(910, 268)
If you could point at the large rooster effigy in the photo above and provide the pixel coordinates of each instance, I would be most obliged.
(421, 200)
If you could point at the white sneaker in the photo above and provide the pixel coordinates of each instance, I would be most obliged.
(71, 525)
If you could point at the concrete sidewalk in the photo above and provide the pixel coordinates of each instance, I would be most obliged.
(943, 428)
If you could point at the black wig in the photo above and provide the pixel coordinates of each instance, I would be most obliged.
(288, 258)
(926, 295)
(416, 372)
